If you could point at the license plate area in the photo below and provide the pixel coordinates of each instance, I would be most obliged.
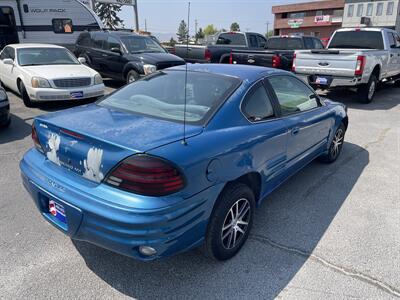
(76, 95)
(321, 80)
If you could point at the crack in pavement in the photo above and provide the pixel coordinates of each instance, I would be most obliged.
(343, 270)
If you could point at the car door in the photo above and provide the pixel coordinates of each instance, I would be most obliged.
(115, 61)
(97, 52)
(393, 58)
(6, 71)
(269, 135)
(309, 121)
(396, 70)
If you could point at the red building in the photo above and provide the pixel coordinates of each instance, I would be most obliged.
(318, 18)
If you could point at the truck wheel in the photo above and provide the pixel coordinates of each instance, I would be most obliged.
(24, 95)
(132, 76)
(367, 92)
(230, 223)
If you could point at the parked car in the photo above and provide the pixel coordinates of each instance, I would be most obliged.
(355, 58)
(124, 56)
(5, 119)
(220, 51)
(278, 53)
(126, 174)
(40, 72)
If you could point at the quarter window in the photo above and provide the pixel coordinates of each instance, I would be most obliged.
(293, 95)
(5, 53)
(62, 26)
(257, 105)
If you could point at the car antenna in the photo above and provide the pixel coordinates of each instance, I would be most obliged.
(184, 142)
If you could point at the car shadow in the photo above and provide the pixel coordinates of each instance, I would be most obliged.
(296, 216)
(385, 98)
(18, 130)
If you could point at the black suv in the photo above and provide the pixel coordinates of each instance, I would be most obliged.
(123, 55)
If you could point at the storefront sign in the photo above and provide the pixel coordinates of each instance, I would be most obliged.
(322, 19)
(295, 23)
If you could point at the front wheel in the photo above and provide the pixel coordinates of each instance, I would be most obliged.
(132, 76)
(335, 148)
(367, 91)
(24, 95)
(230, 222)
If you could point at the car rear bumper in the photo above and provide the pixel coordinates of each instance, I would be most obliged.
(333, 81)
(49, 94)
(95, 214)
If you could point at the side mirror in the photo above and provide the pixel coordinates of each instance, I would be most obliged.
(82, 60)
(116, 50)
(8, 61)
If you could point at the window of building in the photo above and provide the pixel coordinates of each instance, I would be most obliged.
(350, 10)
(338, 13)
(297, 15)
(379, 9)
(62, 26)
(319, 13)
(389, 10)
(360, 9)
(370, 8)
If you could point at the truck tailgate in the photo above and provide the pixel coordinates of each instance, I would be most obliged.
(258, 58)
(327, 62)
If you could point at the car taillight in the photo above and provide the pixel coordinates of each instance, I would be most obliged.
(146, 175)
(360, 65)
(231, 58)
(35, 139)
(294, 63)
(208, 55)
(276, 61)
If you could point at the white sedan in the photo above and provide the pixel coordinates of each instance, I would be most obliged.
(40, 72)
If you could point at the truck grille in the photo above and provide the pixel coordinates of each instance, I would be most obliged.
(161, 66)
(72, 82)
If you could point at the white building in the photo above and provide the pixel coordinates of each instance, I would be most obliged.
(383, 13)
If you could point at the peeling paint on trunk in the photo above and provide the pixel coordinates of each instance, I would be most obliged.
(93, 165)
(54, 145)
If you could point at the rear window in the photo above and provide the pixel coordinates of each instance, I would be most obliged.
(357, 40)
(284, 44)
(231, 39)
(162, 95)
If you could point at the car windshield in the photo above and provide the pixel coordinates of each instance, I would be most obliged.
(45, 56)
(140, 44)
(162, 95)
(357, 40)
(284, 44)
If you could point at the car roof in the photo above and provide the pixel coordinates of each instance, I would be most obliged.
(243, 72)
(118, 33)
(23, 46)
(362, 29)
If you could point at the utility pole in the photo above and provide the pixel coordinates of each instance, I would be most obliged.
(195, 30)
(145, 25)
(135, 7)
(267, 29)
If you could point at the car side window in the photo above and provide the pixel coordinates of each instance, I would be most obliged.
(99, 40)
(293, 95)
(11, 52)
(397, 38)
(257, 105)
(261, 41)
(308, 43)
(113, 43)
(318, 44)
(253, 41)
(392, 41)
(5, 54)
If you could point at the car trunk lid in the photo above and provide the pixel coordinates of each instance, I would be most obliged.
(91, 140)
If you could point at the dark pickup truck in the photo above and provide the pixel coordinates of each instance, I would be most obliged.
(278, 52)
(219, 51)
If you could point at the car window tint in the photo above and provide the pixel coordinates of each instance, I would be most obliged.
(261, 41)
(99, 40)
(231, 38)
(392, 41)
(318, 44)
(280, 43)
(309, 43)
(257, 105)
(357, 40)
(293, 95)
(113, 43)
(253, 41)
(84, 40)
(5, 54)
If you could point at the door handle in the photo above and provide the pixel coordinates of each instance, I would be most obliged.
(295, 131)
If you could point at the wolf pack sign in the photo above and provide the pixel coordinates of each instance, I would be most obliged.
(295, 23)
(120, 2)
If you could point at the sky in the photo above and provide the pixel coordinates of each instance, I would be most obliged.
(163, 17)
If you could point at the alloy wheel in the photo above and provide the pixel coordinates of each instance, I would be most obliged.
(371, 90)
(337, 143)
(236, 223)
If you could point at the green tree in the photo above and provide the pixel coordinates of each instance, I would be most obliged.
(108, 14)
(199, 34)
(182, 32)
(210, 30)
(269, 34)
(235, 27)
(172, 42)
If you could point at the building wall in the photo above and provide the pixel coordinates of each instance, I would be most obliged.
(385, 20)
(321, 32)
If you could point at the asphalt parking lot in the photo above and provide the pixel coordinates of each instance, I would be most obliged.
(332, 231)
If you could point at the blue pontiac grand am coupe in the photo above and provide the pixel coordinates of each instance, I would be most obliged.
(143, 175)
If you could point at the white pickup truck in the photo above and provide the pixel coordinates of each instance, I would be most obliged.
(355, 57)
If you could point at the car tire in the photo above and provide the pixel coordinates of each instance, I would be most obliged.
(230, 222)
(24, 95)
(336, 145)
(132, 76)
(367, 91)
